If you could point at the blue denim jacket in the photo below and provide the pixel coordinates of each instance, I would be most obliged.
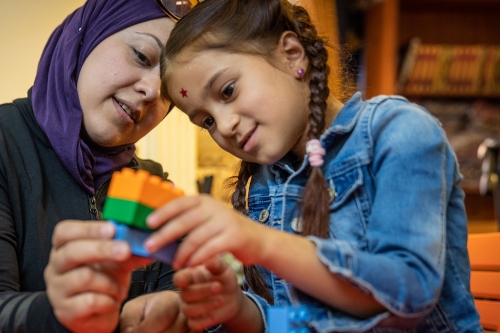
(398, 227)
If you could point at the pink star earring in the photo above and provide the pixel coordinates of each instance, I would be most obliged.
(301, 72)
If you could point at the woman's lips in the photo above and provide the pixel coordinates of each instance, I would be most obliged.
(123, 113)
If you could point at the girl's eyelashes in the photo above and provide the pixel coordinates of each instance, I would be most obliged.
(228, 91)
(142, 58)
(207, 123)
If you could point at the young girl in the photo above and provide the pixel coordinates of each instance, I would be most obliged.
(354, 210)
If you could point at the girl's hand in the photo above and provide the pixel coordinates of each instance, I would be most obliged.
(210, 294)
(210, 228)
(157, 312)
(88, 275)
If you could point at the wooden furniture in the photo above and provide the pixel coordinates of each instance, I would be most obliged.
(389, 24)
(484, 252)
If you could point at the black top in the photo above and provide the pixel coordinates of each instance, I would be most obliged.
(36, 192)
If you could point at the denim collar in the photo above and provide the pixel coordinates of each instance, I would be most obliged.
(342, 124)
(345, 120)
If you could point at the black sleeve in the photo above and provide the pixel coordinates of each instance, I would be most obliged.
(156, 276)
(28, 312)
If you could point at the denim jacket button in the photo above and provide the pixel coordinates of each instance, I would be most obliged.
(297, 225)
(263, 216)
(332, 193)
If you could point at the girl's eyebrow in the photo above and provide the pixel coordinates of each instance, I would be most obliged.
(158, 41)
(210, 83)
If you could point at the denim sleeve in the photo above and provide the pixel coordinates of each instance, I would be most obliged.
(403, 264)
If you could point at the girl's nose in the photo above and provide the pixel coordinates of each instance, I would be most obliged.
(228, 125)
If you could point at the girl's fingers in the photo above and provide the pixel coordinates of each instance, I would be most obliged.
(217, 315)
(199, 292)
(185, 277)
(171, 210)
(216, 265)
(202, 308)
(189, 214)
(196, 241)
(212, 247)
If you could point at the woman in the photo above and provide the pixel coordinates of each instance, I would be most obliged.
(95, 94)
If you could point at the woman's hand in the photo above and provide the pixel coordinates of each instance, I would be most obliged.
(88, 275)
(157, 312)
(210, 228)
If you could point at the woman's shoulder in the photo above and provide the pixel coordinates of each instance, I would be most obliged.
(11, 114)
(153, 167)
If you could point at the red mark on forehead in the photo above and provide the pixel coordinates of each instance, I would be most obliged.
(184, 93)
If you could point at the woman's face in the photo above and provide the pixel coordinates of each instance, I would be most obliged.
(119, 84)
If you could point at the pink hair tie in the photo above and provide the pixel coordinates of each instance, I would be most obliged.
(316, 152)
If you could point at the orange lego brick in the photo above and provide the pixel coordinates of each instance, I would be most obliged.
(158, 192)
(142, 187)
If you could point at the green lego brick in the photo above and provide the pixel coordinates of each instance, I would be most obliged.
(127, 212)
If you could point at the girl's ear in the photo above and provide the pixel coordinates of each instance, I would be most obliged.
(294, 53)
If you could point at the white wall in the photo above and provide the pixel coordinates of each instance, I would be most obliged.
(25, 26)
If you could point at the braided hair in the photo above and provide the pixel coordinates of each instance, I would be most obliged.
(255, 27)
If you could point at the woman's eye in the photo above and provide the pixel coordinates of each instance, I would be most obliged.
(208, 122)
(142, 58)
(228, 91)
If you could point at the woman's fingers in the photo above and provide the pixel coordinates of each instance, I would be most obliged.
(70, 230)
(153, 313)
(88, 251)
(88, 279)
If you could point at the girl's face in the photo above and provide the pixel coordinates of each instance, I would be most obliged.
(119, 84)
(254, 110)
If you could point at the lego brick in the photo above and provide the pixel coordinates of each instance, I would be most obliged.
(127, 184)
(136, 238)
(125, 211)
(141, 186)
(288, 319)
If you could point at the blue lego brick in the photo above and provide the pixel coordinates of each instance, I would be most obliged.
(136, 237)
(288, 319)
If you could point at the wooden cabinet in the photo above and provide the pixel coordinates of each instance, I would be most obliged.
(390, 24)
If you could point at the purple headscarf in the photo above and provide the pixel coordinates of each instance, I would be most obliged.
(55, 99)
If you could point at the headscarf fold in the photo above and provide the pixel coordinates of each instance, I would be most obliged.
(55, 98)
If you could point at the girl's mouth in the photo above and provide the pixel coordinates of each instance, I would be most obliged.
(246, 143)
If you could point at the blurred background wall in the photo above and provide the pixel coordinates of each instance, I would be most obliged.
(25, 27)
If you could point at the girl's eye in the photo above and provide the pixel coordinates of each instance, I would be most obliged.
(142, 58)
(228, 91)
(207, 123)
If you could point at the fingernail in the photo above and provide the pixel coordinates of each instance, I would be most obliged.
(150, 245)
(150, 220)
(120, 249)
(107, 230)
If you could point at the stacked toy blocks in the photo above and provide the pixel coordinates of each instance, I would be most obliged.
(132, 196)
(288, 319)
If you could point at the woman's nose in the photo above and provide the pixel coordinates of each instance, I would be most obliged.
(149, 86)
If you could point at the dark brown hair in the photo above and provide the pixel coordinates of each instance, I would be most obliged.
(255, 26)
